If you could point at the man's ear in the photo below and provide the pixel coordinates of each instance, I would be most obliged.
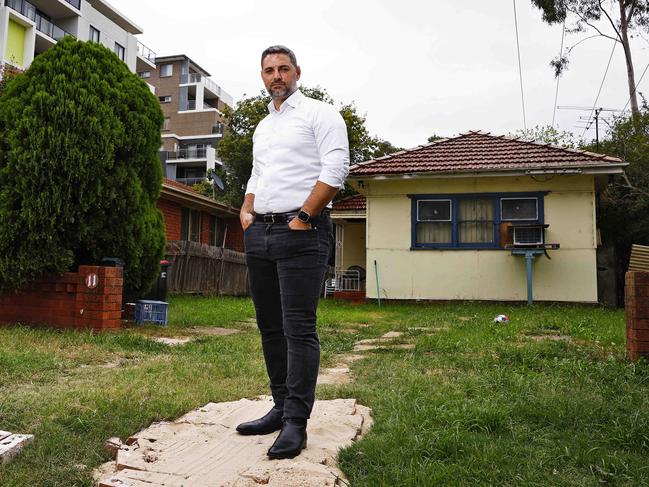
(298, 72)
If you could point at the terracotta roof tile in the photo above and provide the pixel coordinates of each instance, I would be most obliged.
(351, 203)
(480, 151)
(176, 184)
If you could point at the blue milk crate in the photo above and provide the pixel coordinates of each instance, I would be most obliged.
(147, 311)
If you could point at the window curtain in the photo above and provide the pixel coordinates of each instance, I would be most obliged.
(476, 221)
(434, 232)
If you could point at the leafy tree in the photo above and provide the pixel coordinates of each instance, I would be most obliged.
(623, 17)
(235, 149)
(7, 73)
(547, 134)
(624, 207)
(434, 138)
(79, 168)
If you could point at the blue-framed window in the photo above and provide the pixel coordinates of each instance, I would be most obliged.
(470, 221)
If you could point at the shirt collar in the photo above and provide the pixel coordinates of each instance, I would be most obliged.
(293, 101)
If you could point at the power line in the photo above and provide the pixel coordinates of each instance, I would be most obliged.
(556, 92)
(520, 71)
(601, 85)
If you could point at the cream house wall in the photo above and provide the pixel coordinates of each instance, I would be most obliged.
(483, 274)
(353, 245)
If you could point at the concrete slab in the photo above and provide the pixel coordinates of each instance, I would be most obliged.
(11, 445)
(203, 449)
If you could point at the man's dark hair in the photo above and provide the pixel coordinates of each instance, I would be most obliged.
(279, 50)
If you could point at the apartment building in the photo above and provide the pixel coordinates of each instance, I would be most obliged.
(28, 28)
(192, 104)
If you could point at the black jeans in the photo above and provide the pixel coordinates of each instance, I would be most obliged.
(286, 270)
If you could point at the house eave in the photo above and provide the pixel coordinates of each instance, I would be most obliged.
(196, 201)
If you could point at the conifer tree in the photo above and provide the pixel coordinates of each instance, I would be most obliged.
(79, 168)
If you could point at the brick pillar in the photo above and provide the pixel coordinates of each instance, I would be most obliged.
(99, 298)
(636, 297)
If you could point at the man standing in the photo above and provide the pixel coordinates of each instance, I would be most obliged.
(300, 160)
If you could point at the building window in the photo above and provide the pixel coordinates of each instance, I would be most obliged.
(144, 74)
(190, 225)
(94, 34)
(470, 220)
(519, 208)
(165, 99)
(166, 123)
(120, 51)
(166, 70)
(217, 231)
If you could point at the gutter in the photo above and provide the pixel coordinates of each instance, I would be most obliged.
(608, 169)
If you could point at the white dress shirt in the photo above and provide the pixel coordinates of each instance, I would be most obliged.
(303, 142)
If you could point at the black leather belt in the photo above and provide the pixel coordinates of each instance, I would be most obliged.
(276, 217)
(284, 217)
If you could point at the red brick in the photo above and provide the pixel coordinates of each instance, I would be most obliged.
(111, 272)
(638, 334)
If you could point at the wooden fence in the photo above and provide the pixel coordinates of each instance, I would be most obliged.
(204, 269)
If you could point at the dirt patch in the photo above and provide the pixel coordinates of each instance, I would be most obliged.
(547, 335)
(348, 359)
(392, 334)
(171, 341)
(202, 448)
(335, 375)
(213, 330)
(348, 331)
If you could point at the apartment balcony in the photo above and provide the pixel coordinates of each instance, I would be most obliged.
(193, 154)
(211, 86)
(146, 55)
(43, 25)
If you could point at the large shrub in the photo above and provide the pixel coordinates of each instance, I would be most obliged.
(79, 168)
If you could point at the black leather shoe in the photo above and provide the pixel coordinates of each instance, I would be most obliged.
(265, 425)
(291, 440)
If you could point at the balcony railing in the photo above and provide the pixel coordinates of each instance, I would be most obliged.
(190, 78)
(191, 153)
(75, 3)
(42, 25)
(145, 52)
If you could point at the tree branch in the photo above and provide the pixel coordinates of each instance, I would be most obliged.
(631, 12)
(601, 7)
(583, 19)
(634, 188)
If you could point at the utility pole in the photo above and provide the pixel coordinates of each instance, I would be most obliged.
(592, 118)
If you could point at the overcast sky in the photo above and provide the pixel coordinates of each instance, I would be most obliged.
(413, 67)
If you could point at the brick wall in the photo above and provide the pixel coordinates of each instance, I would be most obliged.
(234, 238)
(90, 298)
(171, 213)
(636, 297)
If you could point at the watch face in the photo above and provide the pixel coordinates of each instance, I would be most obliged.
(303, 216)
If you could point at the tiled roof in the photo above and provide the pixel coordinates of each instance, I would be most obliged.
(176, 184)
(479, 151)
(356, 202)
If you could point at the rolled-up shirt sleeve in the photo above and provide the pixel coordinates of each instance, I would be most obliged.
(333, 147)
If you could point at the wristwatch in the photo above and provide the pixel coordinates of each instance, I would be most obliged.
(304, 217)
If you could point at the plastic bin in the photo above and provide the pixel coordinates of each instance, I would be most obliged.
(147, 311)
(158, 291)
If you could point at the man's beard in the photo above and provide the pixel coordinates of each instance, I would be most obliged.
(281, 92)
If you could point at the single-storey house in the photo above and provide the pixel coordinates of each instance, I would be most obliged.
(191, 216)
(472, 217)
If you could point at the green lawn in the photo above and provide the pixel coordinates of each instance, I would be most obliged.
(474, 403)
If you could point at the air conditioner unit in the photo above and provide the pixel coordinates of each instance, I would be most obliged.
(528, 235)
